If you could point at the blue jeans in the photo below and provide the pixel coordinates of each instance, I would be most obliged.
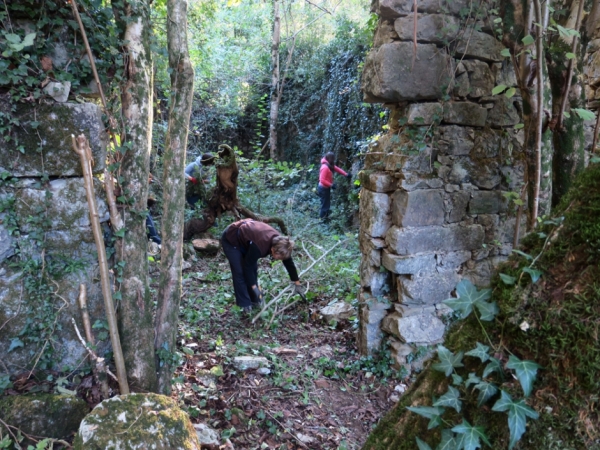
(325, 194)
(243, 292)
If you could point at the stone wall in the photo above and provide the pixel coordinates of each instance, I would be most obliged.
(46, 244)
(433, 208)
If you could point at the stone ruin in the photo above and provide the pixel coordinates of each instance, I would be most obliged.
(45, 220)
(435, 215)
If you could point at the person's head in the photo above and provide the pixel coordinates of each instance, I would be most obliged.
(281, 247)
(330, 157)
(207, 159)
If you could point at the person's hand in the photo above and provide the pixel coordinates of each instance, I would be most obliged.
(258, 294)
(193, 180)
(299, 289)
(348, 175)
(333, 186)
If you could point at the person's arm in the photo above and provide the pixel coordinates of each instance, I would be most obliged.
(340, 171)
(291, 270)
(189, 170)
(249, 266)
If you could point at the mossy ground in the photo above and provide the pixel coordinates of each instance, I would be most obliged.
(563, 313)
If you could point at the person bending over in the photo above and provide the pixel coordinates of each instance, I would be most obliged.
(326, 183)
(244, 243)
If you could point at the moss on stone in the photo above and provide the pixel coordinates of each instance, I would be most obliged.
(137, 421)
(562, 310)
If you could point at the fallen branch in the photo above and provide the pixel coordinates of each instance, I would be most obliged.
(100, 364)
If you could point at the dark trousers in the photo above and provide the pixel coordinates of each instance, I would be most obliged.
(325, 194)
(151, 230)
(243, 292)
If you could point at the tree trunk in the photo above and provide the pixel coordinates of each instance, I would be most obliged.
(182, 92)
(135, 315)
(275, 81)
(567, 92)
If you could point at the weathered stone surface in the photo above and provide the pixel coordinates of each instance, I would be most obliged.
(337, 311)
(465, 113)
(374, 213)
(427, 289)
(399, 351)
(53, 153)
(373, 303)
(369, 337)
(481, 79)
(408, 241)
(423, 328)
(249, 362)
(48, 415)
(6, 241)
(408, 265)
(485, 173)
(504, 73)
(417, 208)
(206, 435)
(424, 113)
(433, 28)
(459, 172)
(377, 181)
(58, 91)
(503, 113)
(67, 209)
(456, 206)
(456, 140)
(394, 162)
(481, 46)
(372, 277)
(385, 33)
(451, 261)
(396, 8)
(461, 86)
(481, 272)
(371, 316)
(372, 159)
(137, 421)
(487, 202)
(389, 77)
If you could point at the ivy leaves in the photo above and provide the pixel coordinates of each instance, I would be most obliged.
(448, 361)
(469, 297)
(517, 416)
(526, 372)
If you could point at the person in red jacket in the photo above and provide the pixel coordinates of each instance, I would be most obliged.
(326, 183)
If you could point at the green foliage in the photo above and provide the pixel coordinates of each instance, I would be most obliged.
(517, 415)
(469, 297)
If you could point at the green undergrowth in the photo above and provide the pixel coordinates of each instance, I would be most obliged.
(553, 321)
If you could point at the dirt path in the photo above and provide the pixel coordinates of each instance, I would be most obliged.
(315, 391)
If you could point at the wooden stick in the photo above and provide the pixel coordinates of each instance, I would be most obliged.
(100, 367)
(82, 148)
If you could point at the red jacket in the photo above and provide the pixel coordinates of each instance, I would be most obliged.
(325, 174)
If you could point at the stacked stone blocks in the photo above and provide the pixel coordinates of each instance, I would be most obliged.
(431, 218)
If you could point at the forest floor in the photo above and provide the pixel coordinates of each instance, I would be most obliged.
(315, 391)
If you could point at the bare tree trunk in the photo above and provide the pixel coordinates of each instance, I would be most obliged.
(275, 80)
(135, 316)
(182, 92)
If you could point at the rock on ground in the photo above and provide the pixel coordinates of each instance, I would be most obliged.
(137, 421)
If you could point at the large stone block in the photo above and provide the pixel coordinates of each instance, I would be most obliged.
(373, 278)
(427, 289)
(409, 241)
(372, 159)
(480, 46)
(377, 181)
(418, 208)
(456, 206)
(487, 202)
(45, 134)
(396, 8)
(431, 28)
(485, 173)
(456, 140)
(504, 112)
(465, 113)
(423, 329)
(369, 337)
(424, 113)
(375, 217)
(384, 33)
(389, 75)
(6, 241)
(408, 265)
(66, 209)
(481, 78)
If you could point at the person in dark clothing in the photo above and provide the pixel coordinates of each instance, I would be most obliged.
(151, 232)
(194, 174)
(326, 183)
(244, 243)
